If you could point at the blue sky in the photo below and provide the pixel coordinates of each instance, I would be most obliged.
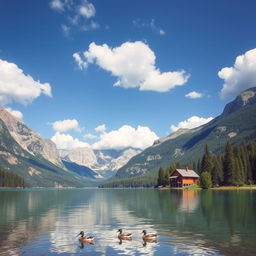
(138, 43)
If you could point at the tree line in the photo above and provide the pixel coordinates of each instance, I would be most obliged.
(145, 181)
(164, 174)
(9, 179)
(235, 167)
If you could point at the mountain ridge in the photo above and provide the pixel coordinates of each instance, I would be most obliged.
(237, 123)
(30, 140)
(99, 160)
(29, 159)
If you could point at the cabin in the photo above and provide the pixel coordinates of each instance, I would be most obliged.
(183, 178)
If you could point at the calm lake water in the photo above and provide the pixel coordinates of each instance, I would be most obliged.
(46, 222)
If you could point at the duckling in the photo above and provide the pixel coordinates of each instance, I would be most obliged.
(149, 237)
(124, 236)
(85, 239)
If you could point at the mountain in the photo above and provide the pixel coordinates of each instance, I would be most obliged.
(244, 99)
(101, 161)
(81, 156)
(26, 153)
(237, 123)
(81, 170)
(29, 140)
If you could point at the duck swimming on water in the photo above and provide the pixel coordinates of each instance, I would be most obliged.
(124, 236)
(149, 237)
(85, 239)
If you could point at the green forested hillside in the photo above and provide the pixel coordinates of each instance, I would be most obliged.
(237, 124)
(235, 167)
(8, 179)
(237, 127)
(36, 171)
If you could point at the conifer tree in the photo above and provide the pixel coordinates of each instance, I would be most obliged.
(161, 177)
(228, 165)
(199, 166)
(206, 180)
(249, 168)
(206, 165)
(166, 178)
(219, 167)
(237, 177)
(217, 173)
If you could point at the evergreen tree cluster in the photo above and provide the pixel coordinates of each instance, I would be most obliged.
(236, 167)
(164, 174)
(145, 181)
(9, 179)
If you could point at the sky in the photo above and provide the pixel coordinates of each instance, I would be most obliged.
(111, 74)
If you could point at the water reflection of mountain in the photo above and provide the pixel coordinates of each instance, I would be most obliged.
(221, 219)
(45, 223)
(25, 215)
(190, 221)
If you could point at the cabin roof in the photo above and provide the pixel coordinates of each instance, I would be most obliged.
(187, 173)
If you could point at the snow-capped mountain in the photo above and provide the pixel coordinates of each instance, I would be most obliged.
(99, 160)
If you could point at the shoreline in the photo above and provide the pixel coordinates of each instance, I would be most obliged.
(246, 187)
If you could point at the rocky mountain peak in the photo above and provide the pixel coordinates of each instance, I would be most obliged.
(30, 140)
(245, 98)
(81, 156)
(99, 160)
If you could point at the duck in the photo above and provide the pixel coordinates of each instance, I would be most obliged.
(149, 237)
(124, 236)
(85, 239)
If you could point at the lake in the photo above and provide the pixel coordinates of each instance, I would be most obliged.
(46, 221)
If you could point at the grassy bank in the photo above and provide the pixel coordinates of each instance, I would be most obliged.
(247, 187)
(196, 187)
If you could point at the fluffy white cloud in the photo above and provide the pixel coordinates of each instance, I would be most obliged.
(57, 5)
(192, 122)
(87, 9)
(194, 95)
(15, 113)
(126, 136)
(66, 125)
(90, 136)
(101, 128)
(16, 86)
(241, 76)
(66, 141)
(133, 63)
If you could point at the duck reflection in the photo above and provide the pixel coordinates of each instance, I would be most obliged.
(145, 243)
(81, 246)
(46, 220)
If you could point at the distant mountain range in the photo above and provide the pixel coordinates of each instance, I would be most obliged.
(237, 123)
(104, 162)
(24, 152)
(37, 160)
